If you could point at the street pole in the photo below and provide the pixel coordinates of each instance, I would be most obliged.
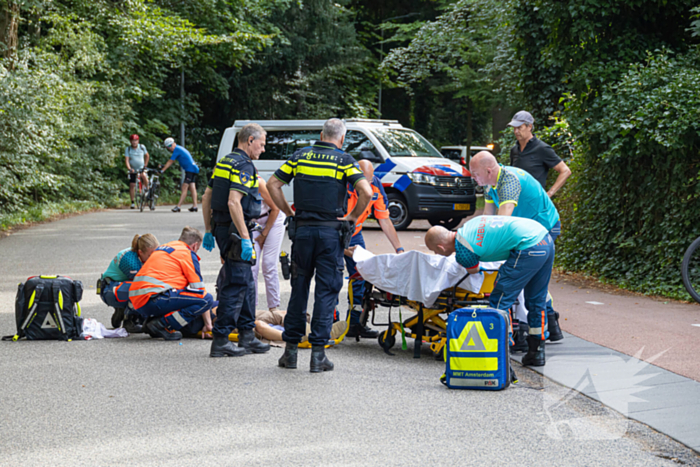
(182, 107)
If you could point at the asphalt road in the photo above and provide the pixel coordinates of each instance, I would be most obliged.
(141, 401)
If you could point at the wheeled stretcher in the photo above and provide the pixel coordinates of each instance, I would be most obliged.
(428, 324)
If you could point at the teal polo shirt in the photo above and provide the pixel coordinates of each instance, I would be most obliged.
(492, 238)
(522, 189)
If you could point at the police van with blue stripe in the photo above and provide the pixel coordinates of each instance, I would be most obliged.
(419, 182)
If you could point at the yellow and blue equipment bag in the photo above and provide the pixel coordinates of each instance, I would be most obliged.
(477, 354)
(48, 307)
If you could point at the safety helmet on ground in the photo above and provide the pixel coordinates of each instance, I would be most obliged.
(168, 142)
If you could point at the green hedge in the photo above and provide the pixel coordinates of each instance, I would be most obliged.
(631, 207)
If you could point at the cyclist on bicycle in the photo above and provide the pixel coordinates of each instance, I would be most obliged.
(136, 158)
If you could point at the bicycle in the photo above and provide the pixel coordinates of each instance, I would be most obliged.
(690, 270)
(151, 195)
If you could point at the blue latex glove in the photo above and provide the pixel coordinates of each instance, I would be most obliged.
(246, 249)
(208, 242)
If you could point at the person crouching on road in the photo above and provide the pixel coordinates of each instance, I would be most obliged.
(378, 207)
(232, 201)
(122, 269)
(168, 292)
(528, 250)
(319, 232)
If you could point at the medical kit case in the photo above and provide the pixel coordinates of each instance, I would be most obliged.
(477, 354)
(47, 307)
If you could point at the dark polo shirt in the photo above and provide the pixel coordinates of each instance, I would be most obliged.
(536, 159)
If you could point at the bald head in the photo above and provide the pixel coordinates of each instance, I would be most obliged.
(440, 241)
(367, 169)
(484, 168)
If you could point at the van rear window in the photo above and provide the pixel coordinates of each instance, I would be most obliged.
(282, 144)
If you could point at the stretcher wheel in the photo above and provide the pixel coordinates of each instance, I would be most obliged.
(387, 339)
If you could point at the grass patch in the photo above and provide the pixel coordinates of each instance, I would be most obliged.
(479, 203)
(46, 211)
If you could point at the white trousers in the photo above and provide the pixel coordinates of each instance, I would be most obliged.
(268, 258)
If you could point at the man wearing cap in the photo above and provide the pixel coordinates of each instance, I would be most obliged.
(184, 157)
(533, 155)
(136, 158)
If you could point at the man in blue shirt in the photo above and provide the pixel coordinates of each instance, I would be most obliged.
(528, 251)
(514, 192)
(184, 157)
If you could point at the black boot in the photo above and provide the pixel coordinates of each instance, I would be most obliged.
(157, 329)
(132, 326)
(117, 317)
(222, 347)
(535, 352)
(520, 332)
(553, 327)
(250, 343)
(362, 331)
(319, 361)
(289, 357)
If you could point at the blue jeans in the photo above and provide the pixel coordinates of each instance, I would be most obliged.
(554, 233)
(358, 286)
(236, 293)
(528, 270)
(109, 297)
(177, 308)
(316, 250)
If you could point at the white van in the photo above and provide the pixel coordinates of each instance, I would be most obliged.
(419, 182)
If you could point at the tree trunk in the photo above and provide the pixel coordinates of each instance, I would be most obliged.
(9, 22)
(470, 115)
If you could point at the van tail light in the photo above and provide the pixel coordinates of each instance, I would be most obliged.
(462, 161)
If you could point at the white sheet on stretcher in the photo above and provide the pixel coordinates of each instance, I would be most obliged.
(415, 275)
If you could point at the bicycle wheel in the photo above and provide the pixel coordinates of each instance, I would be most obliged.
(690, 270)
(152, 198)
(142, 201)
(155, 191)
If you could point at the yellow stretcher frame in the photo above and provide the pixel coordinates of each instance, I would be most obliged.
(429, 318)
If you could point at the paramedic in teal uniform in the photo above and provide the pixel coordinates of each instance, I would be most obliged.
(528, 251)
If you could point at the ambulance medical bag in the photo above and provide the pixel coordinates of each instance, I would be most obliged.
(47, 307)
(477, 354)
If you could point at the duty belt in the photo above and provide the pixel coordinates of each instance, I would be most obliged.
(335, 224)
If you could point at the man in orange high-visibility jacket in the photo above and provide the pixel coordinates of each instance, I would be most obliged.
(169, 290)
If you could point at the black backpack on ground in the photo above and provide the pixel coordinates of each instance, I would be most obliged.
(48, 308)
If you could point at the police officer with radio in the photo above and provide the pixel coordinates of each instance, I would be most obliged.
(229, 204)
(319, 235)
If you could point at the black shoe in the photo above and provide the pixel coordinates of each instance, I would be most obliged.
(157, 329)
(131, 326)
(193, 209)
(289, 357)
(319, 361)
(117, 317)
(520, 333)
(553, 327)
(176, 209)
(363, 331)
(222, 347)
(251, 344)
(535, 352)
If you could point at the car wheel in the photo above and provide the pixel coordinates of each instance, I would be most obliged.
(398, 211)
(449, 223)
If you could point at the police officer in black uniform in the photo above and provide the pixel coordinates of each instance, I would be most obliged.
(318, 232)
(231, 201)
